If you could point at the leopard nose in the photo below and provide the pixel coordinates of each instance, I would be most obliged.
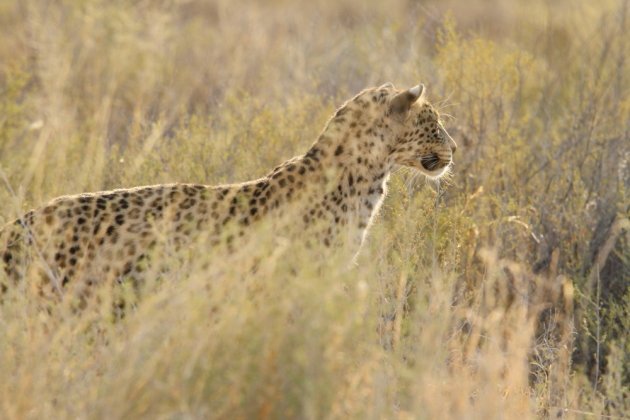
(451, 142)
(453, 146)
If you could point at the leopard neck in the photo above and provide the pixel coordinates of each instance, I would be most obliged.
(351, 152)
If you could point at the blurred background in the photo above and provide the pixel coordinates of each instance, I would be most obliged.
(102, 94)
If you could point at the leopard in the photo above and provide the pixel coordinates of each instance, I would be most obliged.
(331, 194)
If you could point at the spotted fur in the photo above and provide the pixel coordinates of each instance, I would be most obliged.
(336, 189)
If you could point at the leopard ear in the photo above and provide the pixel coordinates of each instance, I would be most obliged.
(388, 85)
(401, 103)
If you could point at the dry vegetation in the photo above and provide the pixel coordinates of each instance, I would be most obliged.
(502, 293)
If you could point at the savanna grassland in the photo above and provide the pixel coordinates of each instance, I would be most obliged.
(501, 292)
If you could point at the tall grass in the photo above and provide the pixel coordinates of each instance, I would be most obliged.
(502, 292)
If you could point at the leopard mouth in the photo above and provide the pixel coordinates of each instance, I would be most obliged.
(432, 162)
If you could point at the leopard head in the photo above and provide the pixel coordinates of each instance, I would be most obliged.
(419, 139)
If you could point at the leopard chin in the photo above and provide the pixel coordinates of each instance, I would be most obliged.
(433, 166)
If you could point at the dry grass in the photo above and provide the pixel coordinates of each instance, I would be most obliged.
(503, 296)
